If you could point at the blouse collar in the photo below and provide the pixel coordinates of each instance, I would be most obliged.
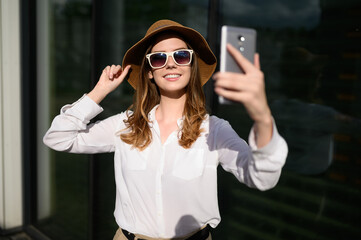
(152, 119)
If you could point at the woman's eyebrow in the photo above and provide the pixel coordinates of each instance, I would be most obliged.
(176, 49)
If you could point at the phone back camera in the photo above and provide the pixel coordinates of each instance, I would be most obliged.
(241, 38)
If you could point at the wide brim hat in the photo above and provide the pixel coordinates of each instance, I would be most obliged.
(206, 60)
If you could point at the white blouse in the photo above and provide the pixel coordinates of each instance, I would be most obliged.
(165, 190)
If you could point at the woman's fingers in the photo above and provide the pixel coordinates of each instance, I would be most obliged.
(247, 88)
(235, 87)
(257, 62)
(112, 76)
(114, 71)
(230, 81)
(240, 59)
(109, 80)
(120, 74)
(106, 71)
(124, 72)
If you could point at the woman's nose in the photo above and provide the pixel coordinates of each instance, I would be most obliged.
(170, 62)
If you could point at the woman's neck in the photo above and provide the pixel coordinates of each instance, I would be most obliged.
(170, 109)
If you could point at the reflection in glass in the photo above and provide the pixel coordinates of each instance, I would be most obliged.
(311, 63)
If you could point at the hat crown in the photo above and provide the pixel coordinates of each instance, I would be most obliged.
(161, 24)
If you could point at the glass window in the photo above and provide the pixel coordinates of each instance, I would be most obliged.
(310, 54)
(63, 75)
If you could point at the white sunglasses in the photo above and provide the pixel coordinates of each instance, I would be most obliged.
(181, 57)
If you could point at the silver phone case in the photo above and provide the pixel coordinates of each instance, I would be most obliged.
(244, 39)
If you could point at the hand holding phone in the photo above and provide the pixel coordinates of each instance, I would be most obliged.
(241, 80)
(242, 84)
(244, 40)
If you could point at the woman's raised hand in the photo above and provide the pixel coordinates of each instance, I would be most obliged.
(110, 79)
(247, 88)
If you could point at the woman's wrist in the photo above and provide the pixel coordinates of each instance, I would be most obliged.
(263, 131)
(96, 96)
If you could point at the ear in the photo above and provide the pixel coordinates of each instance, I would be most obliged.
(150, 74)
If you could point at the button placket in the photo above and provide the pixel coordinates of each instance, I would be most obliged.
(158, 191)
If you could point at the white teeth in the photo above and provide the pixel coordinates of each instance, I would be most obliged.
(172, 76)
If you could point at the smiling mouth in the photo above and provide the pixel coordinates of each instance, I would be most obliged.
(172, 76)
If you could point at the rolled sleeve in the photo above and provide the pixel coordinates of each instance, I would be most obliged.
(71, 131)
(267, 161)
(84, 109)
(272, 156)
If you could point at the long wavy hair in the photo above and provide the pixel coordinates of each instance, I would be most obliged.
(147, 96)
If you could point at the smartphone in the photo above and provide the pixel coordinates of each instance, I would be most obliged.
(243, 39)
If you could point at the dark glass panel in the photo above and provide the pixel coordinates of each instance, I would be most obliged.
(310, 54)
(64, 62)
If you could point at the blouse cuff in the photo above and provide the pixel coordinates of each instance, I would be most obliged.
(84, 109)
(272, 156)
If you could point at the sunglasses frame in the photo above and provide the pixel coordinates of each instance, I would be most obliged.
(167, 57)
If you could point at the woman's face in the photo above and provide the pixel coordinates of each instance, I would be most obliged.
(171, 79)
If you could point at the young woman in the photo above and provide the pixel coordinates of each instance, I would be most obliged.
(167, 148)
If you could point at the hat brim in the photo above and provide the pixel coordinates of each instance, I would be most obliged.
(206, 60)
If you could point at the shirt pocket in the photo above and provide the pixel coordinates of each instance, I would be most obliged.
(188, 163)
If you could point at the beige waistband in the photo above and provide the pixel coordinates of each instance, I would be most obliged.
(120, 236)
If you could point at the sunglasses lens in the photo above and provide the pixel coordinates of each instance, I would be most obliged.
(182, 57)
(158, 59)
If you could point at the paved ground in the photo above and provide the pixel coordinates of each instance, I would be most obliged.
(18, 236)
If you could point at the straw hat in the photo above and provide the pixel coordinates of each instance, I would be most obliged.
(206, 60)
